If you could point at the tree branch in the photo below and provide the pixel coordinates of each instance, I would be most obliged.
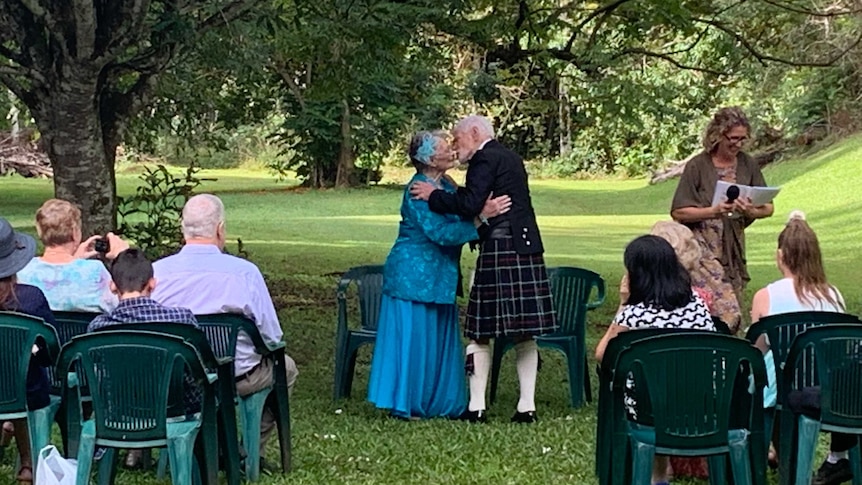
(226, 14)
(812, 13)
(85, 28)
(51, 26)
(763, 58)
(24, 72)
(606, 10)
(291, 83)
(668, 57)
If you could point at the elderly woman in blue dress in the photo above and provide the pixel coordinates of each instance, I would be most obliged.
(417, 370)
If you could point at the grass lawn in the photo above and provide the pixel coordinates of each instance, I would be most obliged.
(303, 239)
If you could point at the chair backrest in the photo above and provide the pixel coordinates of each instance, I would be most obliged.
(690, 384)
(72, 324)
(222, 330)
(131, 373)
(571, 289)
(837, 350)
(369, 287)
(18, 334)
(188, 333)
(783, 328)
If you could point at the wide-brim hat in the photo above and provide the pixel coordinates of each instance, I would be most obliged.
(16, 249)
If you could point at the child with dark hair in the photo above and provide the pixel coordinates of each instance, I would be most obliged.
(660, 296)
(133, 283)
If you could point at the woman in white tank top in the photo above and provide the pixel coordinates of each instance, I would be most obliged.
(803, 288)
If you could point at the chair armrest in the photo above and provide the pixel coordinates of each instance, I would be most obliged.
(600, 298)
(72, 380)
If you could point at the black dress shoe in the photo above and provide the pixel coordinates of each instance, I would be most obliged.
(527, 417)
(473, 416)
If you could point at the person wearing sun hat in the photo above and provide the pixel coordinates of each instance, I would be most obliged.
(16, 250)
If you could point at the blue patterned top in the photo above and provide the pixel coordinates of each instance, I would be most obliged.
(423, 264)
(83, 285)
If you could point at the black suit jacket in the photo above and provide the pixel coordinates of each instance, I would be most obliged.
(495, 169)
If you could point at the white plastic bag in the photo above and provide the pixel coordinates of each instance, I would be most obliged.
(53, 469)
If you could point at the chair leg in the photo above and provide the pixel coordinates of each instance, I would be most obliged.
(587, 388)
(809, 430)
(251, 409)
(182, 458)
(340, 357)
(108, 466)
(282, 414)
(856, 463)
(86, 449)
(576, 389)
(788, 443)
(643, 456)
(162, 466)
(496, 361)
(740, 464)
(717, 469)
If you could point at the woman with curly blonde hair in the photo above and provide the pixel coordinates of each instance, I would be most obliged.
(720, 229)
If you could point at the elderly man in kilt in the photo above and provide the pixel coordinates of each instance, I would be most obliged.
(511, 294)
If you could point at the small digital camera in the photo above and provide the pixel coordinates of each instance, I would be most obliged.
(102, 245)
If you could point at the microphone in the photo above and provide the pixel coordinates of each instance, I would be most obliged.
(732, 194)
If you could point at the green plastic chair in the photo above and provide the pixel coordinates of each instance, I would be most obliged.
(829, 356)
(72, 324)
(222, 330)
(782, 329)
(226, 392)
(571, 289)
(18, 334)
(68, 326)
(690, 382)
(369, 287)
(605, 374)
(131, 399)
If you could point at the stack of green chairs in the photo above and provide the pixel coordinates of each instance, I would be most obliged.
(781, 330)
(131, 400)
(829, 356)
(689, 381)
(571, 289)
(369, 287)
(222, 330)
(226, 391)
(18, 334)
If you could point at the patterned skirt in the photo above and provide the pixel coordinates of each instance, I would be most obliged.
(511, 294)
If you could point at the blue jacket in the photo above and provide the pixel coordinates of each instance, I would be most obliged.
(423, 264)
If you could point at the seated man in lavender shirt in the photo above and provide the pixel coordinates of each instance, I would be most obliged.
(205, 280)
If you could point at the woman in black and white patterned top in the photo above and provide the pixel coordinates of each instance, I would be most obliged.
(660, 296)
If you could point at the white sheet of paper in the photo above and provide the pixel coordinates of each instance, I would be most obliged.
(758, 195)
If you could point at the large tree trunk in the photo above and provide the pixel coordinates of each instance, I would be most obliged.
(83, 162)
(346, 157)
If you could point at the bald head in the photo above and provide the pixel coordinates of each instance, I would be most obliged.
(469, 134)
(203, 220)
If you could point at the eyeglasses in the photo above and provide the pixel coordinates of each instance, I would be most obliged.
(736, 140)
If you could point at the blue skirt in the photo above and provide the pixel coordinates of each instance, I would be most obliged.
(418, 365)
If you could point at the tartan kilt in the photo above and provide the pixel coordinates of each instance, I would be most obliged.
(511, 294)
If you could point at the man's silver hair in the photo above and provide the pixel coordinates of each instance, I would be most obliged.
(201, 216)
(482, 124)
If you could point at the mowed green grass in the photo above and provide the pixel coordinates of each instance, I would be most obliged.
(303, 240)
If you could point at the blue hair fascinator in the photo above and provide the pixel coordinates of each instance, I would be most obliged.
(426, 149)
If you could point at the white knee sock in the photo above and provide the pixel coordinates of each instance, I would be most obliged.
(479, 380)
(528, 366)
